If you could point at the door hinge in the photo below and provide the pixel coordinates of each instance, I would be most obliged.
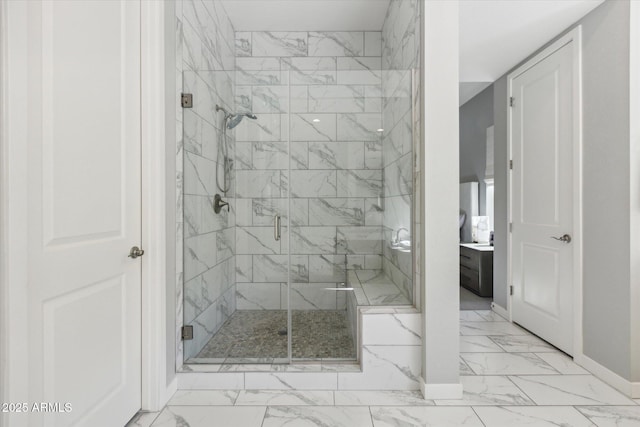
(187, 332)
(510, 227)
(510, 164)
(186, 100)
(511, 290)
(512, 101)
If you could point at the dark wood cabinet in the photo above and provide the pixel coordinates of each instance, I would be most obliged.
(476, 268)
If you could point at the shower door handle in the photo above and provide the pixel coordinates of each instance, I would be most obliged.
(276, 227)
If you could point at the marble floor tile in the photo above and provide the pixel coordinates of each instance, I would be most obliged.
(490, 328)
(507, 364)
(205, 416)
(539, 416)
(523, 344)
(313, 416)
(203, 397)
(280, 397)
(142, 419)
(612, 416)
(392, 398)
(389, 416)
(637, 401)
(471, 316)
(478, 344)
(490, 316)
(563, 363)
(488, 390)
(569, 390)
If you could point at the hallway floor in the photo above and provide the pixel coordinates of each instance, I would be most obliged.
(510, 377)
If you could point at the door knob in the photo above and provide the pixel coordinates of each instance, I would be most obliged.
(135, 252)
(565, 239)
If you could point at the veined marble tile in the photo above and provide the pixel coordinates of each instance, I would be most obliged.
(143, 419)
(313, 127)
(267, 127)
(336, 43)
(488, 390)
(259, 77)
(258, 296)
(507, 364)
(270, 99)
(521, 343)
(313, 183)
(372, 43)
(199, 254)
(490, 328)
(363, 77)
(299, 99)
(203, 398)
(385, 294)
(256, 240)
(491, 316)
(311, 296)
(202, 416)
(328, 211)
(612, 416)
(391, 329)
(263, 211)
(373, 155)
(563, 363)
(359, 127)
(336, 99)
(471, 316)
(359, 63)
(308, 64)
(258, 64)
(313, 240)
(390, 416)
(284, 398)
(336, 155)
(299, 211)
(279, 43)
(569, 390)
(312, 416)
(273, 268)
(315, 77)
(359, 240)
(244, 268)
(291, 380)
(270, 155)
(258, 184)
(478, 344)
(386, 398)
(532, 416)
(243, 43)
(373, 212)
(359, 183)
(465, 369)
(385, 368)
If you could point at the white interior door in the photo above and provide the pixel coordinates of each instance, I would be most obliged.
(84, 210)
(542, 198)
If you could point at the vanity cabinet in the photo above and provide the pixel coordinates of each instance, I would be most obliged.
(476, 268)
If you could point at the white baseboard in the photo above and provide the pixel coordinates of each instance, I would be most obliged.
(501, 311)
(631, 389)
(170, 391)
(440, 391)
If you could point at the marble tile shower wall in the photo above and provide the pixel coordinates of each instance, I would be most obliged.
(400, 55)
(206, 66)
(323, 92)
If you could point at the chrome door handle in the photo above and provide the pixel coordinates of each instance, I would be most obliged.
(135, 252)
(565, 239)
(276, 227)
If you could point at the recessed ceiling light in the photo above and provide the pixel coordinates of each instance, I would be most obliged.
(316, 120)
(380, 130)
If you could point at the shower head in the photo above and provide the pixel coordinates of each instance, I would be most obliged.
(234, 120)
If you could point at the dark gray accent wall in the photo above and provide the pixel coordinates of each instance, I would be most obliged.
(606, 185)
(476, 115)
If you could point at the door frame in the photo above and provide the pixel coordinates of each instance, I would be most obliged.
(573, 36)
(155, 44)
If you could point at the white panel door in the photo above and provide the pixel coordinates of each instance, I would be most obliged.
(542, 198)
(84, 210)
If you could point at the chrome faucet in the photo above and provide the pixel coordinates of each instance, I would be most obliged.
(397, 239)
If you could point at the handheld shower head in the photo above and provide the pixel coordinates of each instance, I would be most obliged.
(234, 120)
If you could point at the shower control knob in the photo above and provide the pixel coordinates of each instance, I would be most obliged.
(135, 252)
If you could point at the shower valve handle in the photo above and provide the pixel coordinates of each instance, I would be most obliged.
(218, 204)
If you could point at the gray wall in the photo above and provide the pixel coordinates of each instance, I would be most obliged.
(606, 180)
(476, 115)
